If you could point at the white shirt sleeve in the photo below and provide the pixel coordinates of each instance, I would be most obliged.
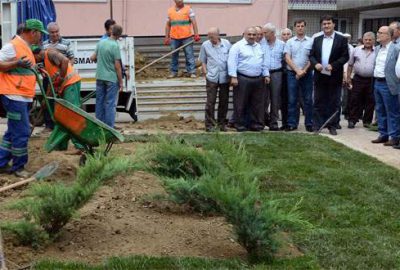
(7, 53)
(398, 67)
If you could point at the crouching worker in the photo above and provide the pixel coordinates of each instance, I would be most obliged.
(17, 89)
(67, 85)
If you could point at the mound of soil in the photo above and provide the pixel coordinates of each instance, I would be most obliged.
(171, 122)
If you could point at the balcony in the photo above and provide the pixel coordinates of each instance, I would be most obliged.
(312, 4)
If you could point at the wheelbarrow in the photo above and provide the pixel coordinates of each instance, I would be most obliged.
(77, 124)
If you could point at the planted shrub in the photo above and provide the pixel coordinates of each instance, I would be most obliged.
(48, 207)
(220, 177)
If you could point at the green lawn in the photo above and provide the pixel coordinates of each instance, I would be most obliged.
(351, 199)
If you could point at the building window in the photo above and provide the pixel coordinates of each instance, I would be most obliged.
(219, 1)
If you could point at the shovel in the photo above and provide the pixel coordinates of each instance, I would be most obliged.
(44, 172)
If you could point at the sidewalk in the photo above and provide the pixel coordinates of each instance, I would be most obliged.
(360, 139)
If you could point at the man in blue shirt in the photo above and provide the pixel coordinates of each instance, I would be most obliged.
(248, 72)
(273, 53)
(299, 78)
(214, 58)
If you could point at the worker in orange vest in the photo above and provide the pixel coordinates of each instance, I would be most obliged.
(17, 89)
(178, 32)
(67, 85)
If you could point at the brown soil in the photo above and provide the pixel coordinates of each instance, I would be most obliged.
(120, 221)
(171, 122)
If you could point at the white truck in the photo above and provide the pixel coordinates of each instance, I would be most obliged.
(83, 48)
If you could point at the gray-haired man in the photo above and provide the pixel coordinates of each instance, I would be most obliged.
(57, 42)
(273, 50)
(214, 58)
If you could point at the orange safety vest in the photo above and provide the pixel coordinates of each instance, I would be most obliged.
(70, 78)
(181, 26)
(19, 81)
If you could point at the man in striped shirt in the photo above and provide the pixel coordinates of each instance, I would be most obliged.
(57, 42)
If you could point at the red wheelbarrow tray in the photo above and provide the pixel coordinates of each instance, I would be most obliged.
(88, 130)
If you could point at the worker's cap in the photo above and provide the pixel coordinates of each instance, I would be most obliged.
(33, 24)
(36, 49)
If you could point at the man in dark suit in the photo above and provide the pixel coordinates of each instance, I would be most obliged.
(328, 55)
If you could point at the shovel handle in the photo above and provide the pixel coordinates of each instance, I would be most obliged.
(20, 183)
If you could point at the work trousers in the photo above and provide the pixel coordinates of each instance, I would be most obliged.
(273, 99)
(326, 101)
(72, 94)
(249, 97)
(214, 89)
(14, 146)
(361, 100)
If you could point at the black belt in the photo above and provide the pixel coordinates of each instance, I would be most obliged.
(380, 79)
(250, 77)
(275, 70)
(362, 77)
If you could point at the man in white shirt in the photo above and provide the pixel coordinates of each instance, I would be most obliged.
(328, 55)
(387, 89)
(248, 72)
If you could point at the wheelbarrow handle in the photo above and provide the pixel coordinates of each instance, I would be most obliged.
(43, 91)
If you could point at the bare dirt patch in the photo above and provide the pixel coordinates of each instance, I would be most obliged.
(118, 221)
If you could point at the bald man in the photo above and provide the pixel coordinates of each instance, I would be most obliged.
(214, 59)
(248, 72)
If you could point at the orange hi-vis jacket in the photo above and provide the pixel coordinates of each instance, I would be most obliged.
(19, 81)
(181, 26)
(70, 78)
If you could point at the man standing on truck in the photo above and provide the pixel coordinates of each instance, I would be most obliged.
(178, 32)
(67, 84)
(17, 90)
(108, 76)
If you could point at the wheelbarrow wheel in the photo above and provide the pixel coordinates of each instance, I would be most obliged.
(82, 160)
(36, 117)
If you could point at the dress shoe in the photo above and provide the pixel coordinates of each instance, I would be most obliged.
(230, 125)
(223, 128)
(367, 125)
(380, 140)
(283, 127)
(332, 131)
(309, 129)
(391, 142)
(274, 128)
(397, 146)
(291, 129)
(241, 129)
(338, 126)
(351, 125)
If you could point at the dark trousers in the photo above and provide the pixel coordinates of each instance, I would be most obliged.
(223, 95)
(326, 101)
(284, 99)
(249, 93)
(361, 100)
(273, 98)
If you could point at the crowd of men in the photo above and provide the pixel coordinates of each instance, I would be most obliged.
(324, 75)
